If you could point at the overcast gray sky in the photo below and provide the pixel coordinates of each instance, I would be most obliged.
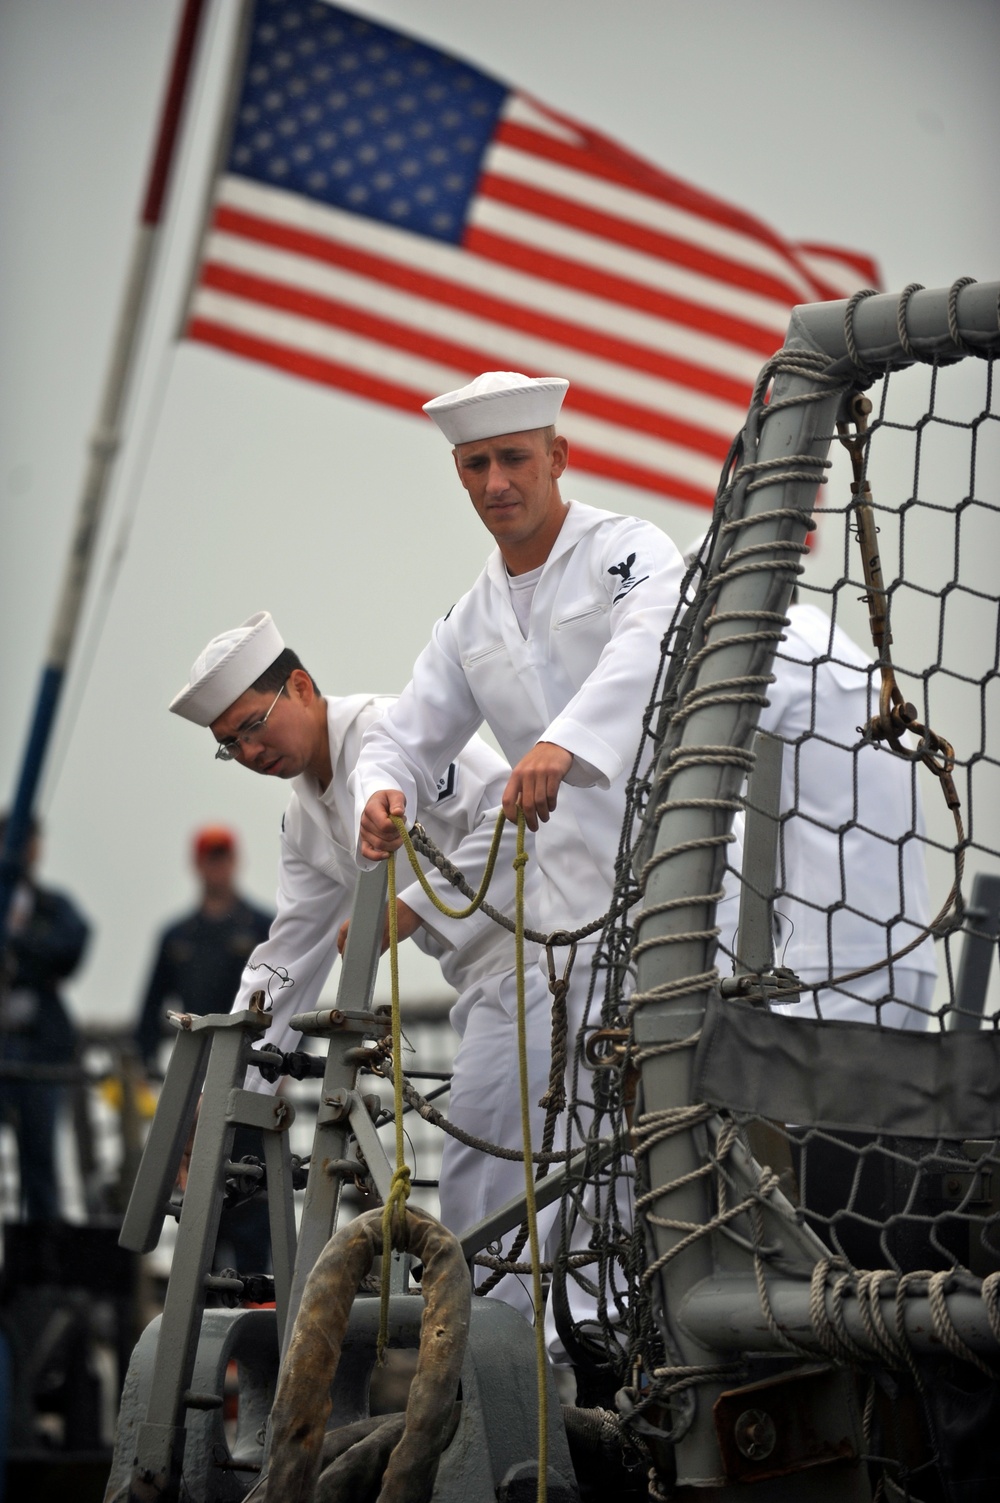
(872, 126)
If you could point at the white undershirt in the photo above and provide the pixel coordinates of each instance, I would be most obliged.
(522, 593)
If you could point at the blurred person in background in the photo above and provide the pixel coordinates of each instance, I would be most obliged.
(47, 936)
(851, 882)
(198, 968)
(851, 895)
(851, 878)
(200, 959)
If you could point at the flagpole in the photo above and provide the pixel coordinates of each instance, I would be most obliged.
(104, 443)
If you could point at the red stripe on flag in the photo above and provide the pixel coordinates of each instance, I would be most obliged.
(310, 367)
(333, 313)
(655, 243)
(567, 273)
(602, 157)
(468, 300)
(866, 268)
(346, 378)
(583, 458)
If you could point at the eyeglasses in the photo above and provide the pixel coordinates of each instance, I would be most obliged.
(228, 749)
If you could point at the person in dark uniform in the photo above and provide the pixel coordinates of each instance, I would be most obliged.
(200, 960)
(46, 940)
(198, 969)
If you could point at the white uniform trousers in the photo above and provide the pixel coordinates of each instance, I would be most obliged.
(582, 1305)
(486, 1102)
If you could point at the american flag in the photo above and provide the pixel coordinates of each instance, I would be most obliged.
(391, 221)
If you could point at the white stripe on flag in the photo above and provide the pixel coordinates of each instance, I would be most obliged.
(388, 362)
(468, 271)
(501, 344)
(522, 111)
(607, 256)
(833, 269)
(644, 209)
(344, 346)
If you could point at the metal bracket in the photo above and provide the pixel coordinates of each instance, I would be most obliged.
(547, 1190)
(983, 919)
(351, 1016)
(787, 1424)
(755, 941)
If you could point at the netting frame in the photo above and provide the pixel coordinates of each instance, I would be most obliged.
(831, 351)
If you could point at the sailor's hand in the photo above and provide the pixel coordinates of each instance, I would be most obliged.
(534, 783)
(379, 837)
(407, 923)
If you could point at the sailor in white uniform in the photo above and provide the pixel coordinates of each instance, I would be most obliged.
(267, 714)
(851, 880)
(556, 647)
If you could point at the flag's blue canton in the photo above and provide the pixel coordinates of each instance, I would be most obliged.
(366, 119)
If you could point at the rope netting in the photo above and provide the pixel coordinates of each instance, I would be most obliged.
(882, 917)
(835, 1102)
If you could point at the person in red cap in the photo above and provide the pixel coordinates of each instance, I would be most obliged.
(200, 958)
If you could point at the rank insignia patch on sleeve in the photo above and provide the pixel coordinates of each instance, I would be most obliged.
(629, 582)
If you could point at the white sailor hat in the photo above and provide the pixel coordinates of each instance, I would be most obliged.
(497, 402)
(227, 667)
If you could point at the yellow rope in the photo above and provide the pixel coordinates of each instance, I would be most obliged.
(399, 1188)
(520, 862)
(491, 861)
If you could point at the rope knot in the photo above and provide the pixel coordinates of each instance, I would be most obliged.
(393, 1239)
(554, 1099)
(394, 1211)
